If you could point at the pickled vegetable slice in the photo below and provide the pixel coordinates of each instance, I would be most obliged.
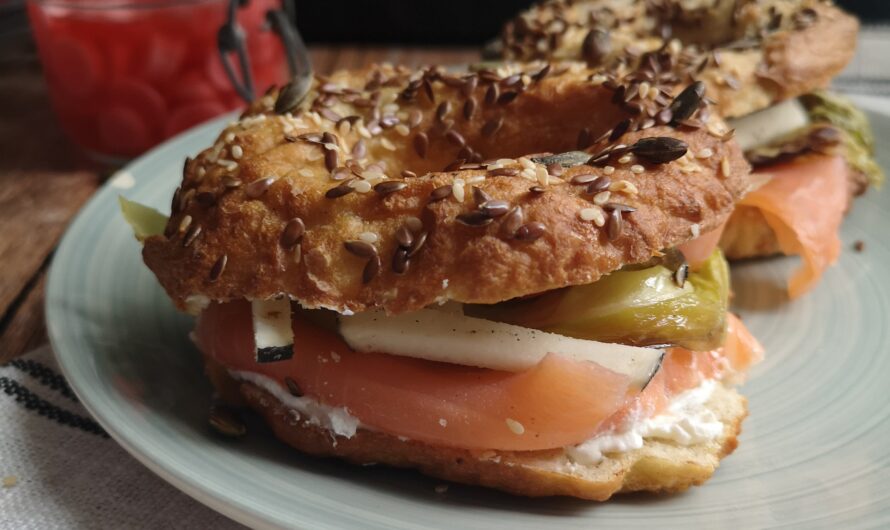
(638, 307)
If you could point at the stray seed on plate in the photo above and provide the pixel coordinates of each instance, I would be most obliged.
(440, 193)
(474, 218)
(218, 268)
(859, 245)
(258, 187)
(389, 186)
(292, 387)
(360, 248)
(292, 233)
(225, 421)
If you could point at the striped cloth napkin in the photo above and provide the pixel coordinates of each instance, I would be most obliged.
(60, 470)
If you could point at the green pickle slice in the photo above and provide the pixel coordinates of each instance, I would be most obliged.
(636, 306)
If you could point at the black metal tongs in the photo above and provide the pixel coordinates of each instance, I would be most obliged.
(231, 42)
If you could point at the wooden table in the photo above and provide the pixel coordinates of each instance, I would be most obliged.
(44, 180)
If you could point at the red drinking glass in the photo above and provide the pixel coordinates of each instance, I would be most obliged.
(124, 75)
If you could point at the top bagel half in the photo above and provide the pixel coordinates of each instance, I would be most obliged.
(391, 188)
(750, 53)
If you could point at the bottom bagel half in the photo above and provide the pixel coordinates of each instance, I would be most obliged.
(658, 466)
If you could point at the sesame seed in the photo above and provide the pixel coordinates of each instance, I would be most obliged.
(636, 168)
(387, 144)
(602, 198)
(725, 167)
(625, 186)
(443, 422)
(305, 172)
(402, 129)
(457, 189)
(528, 174)
(595, 214)
(514, 426)
(542, 175)
(526, 163)
(625, 159)
(695, 230)
(368, 237)
(608, 170)
(475, 179)
(237, 152)
(230, 137)
(706, 153)
(361, 186)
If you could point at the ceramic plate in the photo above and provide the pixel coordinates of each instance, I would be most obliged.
(815, 451)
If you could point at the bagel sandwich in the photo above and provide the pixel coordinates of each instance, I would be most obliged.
(765, 64)
(422, 269)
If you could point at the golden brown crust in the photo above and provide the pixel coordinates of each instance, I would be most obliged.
(657, 467)
(766, 51)
(240, 250)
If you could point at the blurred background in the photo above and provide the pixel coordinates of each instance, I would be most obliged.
(124, 75)
(452, 22)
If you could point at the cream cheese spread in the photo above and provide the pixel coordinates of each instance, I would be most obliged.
(338, 420)
(687, 421)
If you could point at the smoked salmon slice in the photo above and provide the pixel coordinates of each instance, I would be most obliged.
(804, 203)
(557, 403)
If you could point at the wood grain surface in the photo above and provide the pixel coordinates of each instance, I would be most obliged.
(45, 180)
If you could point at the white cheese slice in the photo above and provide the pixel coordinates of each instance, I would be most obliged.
(272, 331)
(458, 339)
(769, 124)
